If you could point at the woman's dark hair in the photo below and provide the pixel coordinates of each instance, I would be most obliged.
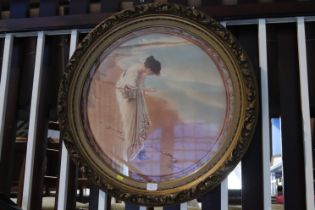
(153, 64)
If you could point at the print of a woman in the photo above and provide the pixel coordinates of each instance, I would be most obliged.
(132, 106)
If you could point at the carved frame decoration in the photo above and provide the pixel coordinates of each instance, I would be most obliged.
(116, 26)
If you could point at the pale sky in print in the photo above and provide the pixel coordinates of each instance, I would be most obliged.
(189, 79)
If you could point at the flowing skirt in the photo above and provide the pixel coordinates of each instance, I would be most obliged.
(135, 122)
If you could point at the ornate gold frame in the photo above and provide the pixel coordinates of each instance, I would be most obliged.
(70, 95)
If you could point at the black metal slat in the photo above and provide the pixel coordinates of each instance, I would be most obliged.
(60, 53)
(310, 44)
(212, 200)
(291, 122)
(7, 163)
(93, 200)
(252, 174)
(93, 203)
(252, 169)
(18, 9)
(72, 186)
(131, 207)
(26, 83)
(1, 55)
(273, 72)
(27, 64)
(172, 207)
(8, 147)
(39, 169)
(310, 47)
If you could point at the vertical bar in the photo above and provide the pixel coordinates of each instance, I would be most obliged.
(252, 173)
(132, 207)
(109, 202)
(273, 71)
(40, 155)
(252, 164)
(64, 168)
(224, 195)
(1, 51)
(172, 207)
(94, 198)
(72, 185)
(8, 156)
(4, 83)
(306, 118)
(313, 130)
(8, 116)
(30, 153)
(310, 43)
(252, 169)
(262, 46)
(184, 206)
(102, 200)
(224, 184)
(212, 200)
(291, 118)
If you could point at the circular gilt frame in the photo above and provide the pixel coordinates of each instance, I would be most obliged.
(72, 85)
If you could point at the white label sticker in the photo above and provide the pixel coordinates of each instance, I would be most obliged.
(152, 186)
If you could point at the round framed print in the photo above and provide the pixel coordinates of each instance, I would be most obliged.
(158, 104)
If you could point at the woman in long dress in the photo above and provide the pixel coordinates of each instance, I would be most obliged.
(132, 106)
